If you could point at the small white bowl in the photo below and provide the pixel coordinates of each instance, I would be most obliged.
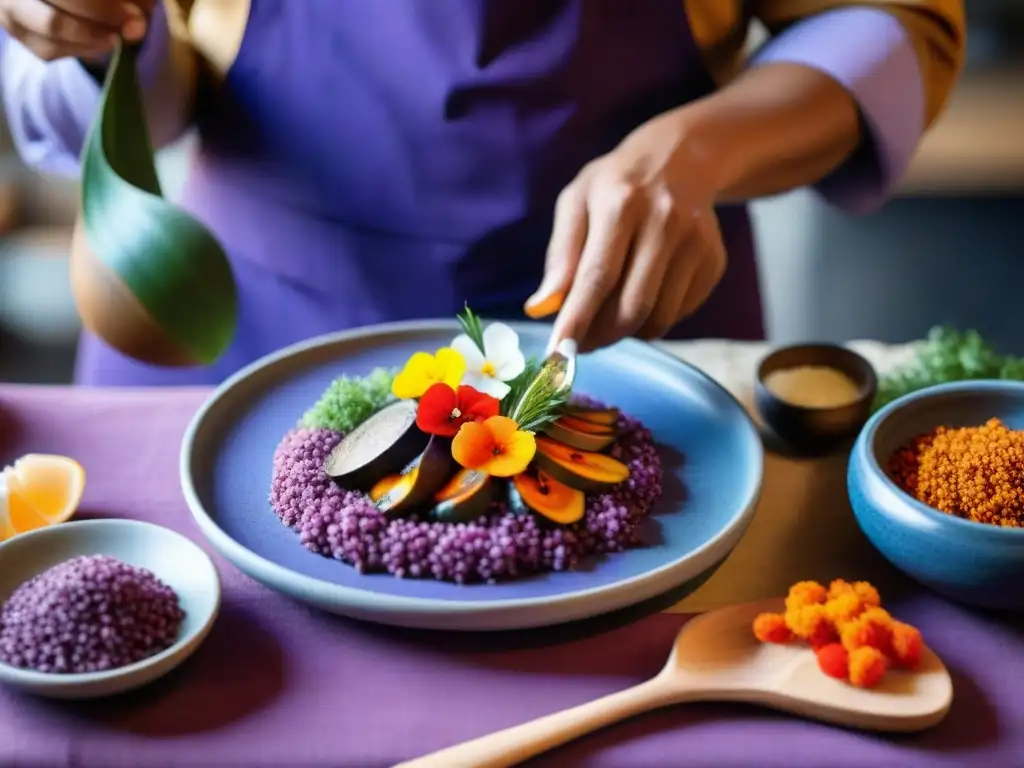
(174, 559)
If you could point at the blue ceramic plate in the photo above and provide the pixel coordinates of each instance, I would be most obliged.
(711, 451)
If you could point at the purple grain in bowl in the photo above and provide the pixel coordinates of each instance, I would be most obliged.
(503, 545)
(88, 614)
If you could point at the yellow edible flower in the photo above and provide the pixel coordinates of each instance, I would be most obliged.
(424, 370)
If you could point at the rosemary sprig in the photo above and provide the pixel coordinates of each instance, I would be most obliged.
(518, 386)
(535, 399)
(473, 327)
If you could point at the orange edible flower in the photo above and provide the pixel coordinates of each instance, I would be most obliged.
(867, 667)
(906, 645)
(872, 629)
(805, 593)
(811, 623)
(862, 589)
(496, 447)
(844, 607)
(853, 637)
(771, 628)
(868, 593)
(833, 661)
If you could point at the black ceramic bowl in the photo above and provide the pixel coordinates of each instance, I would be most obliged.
(811, 429)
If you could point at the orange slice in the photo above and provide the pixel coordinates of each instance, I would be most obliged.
(37, 491)
(6, 529)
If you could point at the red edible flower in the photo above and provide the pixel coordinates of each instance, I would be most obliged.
(442, 410)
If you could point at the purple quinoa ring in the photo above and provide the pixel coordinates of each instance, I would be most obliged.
(503, 545)
(245, 467)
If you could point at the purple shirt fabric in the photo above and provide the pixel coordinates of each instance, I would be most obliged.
(435, 182)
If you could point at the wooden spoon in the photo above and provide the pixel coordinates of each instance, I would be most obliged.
(148, 278)
(717, 658)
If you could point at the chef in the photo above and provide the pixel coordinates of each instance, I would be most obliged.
(584, 160)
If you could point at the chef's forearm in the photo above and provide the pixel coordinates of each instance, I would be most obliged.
(776, 128)
(838, 100)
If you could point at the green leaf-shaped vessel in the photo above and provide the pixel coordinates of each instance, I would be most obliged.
(148, 278)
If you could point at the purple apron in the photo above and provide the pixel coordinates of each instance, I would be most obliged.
(377, 161)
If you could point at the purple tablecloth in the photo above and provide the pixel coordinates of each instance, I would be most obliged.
(277, 684)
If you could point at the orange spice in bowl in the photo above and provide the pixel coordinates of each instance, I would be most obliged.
(975, 473)
(853, 637)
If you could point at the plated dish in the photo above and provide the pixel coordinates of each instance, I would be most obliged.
(465, 465)
(711, 468)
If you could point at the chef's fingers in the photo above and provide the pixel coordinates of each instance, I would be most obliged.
(614, 211)
(565, 247)
(41, 26)
(643, 285)
(49, 49)
(122, 17)
(712, 265)
(682, 270)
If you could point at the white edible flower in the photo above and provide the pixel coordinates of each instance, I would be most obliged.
(500, 361)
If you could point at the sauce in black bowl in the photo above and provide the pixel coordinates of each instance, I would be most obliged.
(814, 422)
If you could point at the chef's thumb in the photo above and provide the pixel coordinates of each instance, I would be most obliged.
(546, 301)
(568, 235)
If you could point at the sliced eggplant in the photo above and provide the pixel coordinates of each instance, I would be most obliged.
(428, 473)
(382, 445)
(553, 501)
(465, 498)
(583, 470)
(594, 439)
(607, 417)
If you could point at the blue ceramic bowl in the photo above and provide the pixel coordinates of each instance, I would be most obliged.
(973, 563)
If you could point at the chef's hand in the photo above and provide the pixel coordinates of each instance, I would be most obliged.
(636, 245)
(84, 29)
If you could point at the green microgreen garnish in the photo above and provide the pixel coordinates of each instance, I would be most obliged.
(349, 401)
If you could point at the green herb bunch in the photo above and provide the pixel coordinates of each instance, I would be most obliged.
(535, 399)
(948, 355)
